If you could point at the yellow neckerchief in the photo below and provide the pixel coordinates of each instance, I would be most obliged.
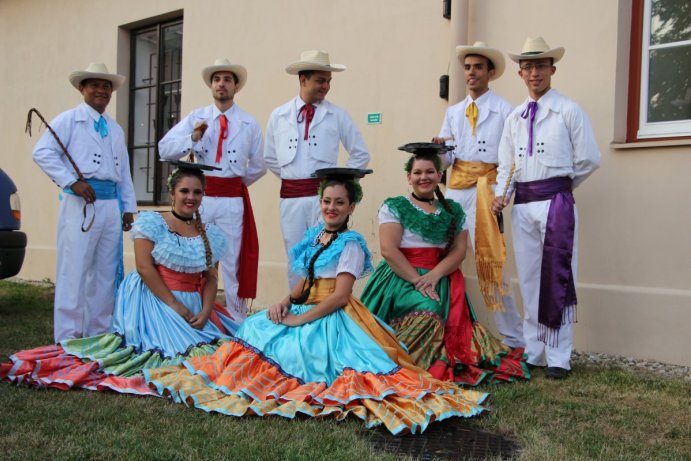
(471, 113)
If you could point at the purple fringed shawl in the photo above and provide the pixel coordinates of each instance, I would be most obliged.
(557, 305)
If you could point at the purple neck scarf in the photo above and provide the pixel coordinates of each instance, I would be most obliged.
(531, 110)
(557, 305)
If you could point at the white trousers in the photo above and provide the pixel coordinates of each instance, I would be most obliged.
(86, 266)
(509, 323)
(297, 215)
(227, 214)
(528, 222)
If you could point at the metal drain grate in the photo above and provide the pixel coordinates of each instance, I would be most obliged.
(447, 440)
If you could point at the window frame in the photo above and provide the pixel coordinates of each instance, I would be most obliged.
(638, 128)
(158, 197)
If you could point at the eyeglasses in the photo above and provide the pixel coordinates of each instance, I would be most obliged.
(540, 66)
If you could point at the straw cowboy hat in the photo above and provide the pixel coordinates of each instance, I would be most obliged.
(224, 65)
(482, 49)
(314, 60)
(96, 70)
(537, 48)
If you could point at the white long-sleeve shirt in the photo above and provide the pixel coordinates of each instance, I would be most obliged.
(563, 143)
(484, 146)
(289, 156)
(241, 150)
(98, 158)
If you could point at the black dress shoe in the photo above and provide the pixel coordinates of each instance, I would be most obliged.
(532, 367)
(556, 373)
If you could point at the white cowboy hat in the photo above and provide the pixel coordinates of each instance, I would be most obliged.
(314, 60)
(537, 48)
(481, 48)
(96, 70)
(224, 65)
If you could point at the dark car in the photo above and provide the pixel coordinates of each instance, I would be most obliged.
(12, 240)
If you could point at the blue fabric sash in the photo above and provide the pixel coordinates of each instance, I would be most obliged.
(105, 190)
(108, 190)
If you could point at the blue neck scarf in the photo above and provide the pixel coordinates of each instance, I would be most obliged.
(101, 127)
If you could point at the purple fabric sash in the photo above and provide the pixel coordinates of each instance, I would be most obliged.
(557, 305)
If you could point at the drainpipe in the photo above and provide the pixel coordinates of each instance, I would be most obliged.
(458, 35)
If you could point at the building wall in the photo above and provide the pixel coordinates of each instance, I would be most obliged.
(634, 297)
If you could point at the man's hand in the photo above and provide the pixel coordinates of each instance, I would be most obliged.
(498, 204)
(84, 190)
(438, 140)
(199, 130)
(127, 220)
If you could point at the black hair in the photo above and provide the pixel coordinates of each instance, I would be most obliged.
(351, 186)
(83, 82)
(181, 172)
(307, 73)
(235, 77)
(490, 64)
(408, 166)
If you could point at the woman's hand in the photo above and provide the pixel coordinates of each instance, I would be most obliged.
(199, 320)
(277, 313)
(181, 309)
(427, 285)
(291, 320)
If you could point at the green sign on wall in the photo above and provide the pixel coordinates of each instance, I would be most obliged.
(373, 118)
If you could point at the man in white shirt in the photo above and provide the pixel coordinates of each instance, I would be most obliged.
(474, 125)
(547, 148)
(98, 204)
(224, 136)
(303, 136)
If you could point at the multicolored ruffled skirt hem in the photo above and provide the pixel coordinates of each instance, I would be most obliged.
(96, 363)
(238, 380)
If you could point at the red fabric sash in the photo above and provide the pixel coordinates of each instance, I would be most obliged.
(179, 281)
(458, 329)
(248, 262)
(296, 188)
(422, 258)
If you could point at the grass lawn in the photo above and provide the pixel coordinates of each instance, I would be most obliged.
(598, 413)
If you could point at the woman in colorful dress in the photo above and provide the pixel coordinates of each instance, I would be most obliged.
(164, 310)
(418, 288)
(319, 351)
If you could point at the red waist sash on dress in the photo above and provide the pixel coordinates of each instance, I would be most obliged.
(179, 281)
(296, 188)
(248, 261)
(423, 258)
(458, 329)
